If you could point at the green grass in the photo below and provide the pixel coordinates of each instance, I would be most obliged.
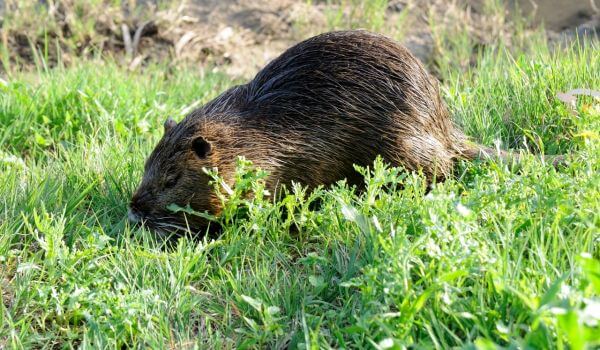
(354, 14)
(497, 256)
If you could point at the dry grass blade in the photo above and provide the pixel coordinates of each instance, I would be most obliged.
(570, 97)
(127, 40)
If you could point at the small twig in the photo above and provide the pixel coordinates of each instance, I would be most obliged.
(182, 42)
(127, 39)
(534, 5)
(137, 36)
(136, 62)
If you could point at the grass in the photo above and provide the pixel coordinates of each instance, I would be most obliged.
(60, 31)
(354, 14)
(498, 257)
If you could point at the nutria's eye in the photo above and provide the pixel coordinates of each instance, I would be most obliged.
(172, 181)
(201, 147)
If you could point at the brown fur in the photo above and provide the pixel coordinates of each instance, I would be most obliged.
(332, 101)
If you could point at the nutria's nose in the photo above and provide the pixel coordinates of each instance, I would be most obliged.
(139, 203)
(133, 216)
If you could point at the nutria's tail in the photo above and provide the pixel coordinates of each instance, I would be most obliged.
(478, 152)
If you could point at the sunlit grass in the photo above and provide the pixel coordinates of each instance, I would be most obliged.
(496, 256)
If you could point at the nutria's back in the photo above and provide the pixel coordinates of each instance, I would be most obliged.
(332, 101)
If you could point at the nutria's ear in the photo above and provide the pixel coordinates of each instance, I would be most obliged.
(169, 124)
(201, 147)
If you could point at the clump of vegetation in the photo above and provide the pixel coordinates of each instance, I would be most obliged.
(43, 34)
(354, 14)
(34, 32)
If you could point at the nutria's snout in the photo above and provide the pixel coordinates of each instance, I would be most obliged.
(133, 216)
(138, 207)
(146, 209)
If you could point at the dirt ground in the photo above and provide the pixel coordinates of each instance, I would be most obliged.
(240, 36)
(560, 15)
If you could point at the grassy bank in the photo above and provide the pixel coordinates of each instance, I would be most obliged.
(496, 256)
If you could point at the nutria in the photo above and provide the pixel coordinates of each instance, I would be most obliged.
(325, 104)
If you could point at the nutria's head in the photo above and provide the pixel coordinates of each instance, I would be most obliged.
(173, 174)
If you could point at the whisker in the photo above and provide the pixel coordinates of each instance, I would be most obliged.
(175, 226)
